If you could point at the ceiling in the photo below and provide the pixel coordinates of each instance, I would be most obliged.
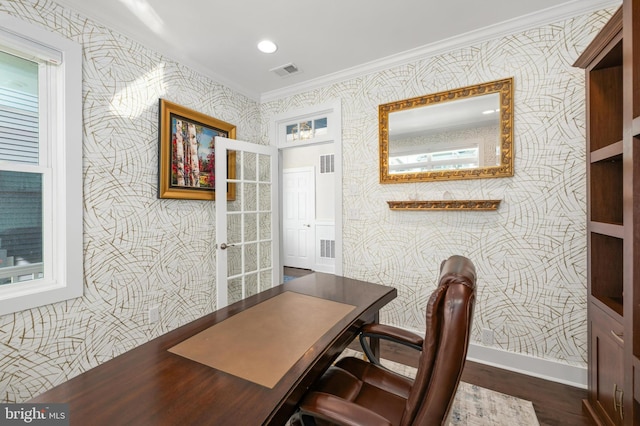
(219, 38)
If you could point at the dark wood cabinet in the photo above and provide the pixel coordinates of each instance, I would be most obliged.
(607, 352)
(612, 64)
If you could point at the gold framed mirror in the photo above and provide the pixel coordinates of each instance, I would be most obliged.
(464, 133)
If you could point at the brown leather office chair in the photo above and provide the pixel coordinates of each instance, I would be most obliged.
(357, 392)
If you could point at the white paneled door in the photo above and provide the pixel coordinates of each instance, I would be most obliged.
(247, 238)
(298, 222)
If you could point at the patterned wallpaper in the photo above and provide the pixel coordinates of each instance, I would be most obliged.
(531, 253)
(141, 251)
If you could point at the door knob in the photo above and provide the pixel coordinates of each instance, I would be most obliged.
(307, 225)
(225, 246)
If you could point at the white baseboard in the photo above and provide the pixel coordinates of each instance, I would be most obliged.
(529, 365)
(525, 364)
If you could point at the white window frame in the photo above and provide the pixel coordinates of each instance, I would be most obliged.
(60, 106)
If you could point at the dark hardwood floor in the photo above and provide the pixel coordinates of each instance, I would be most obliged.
(296, 272)
(555, 403)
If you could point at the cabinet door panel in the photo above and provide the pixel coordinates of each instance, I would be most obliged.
(608, 376)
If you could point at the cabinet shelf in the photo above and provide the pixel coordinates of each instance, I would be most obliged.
(606, 268)
(606, 100)
(612, 305)
(605, 182)
(635, 127)
(615, 230)
(611, 152)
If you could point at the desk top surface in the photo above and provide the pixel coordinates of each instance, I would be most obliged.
(150, 385)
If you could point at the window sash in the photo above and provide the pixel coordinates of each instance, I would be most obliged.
(19, 44)
(60, 127)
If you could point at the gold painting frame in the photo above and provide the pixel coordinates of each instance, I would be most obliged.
(186, 168)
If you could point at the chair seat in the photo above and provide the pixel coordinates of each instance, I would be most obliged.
(359, 393)
(366, 385)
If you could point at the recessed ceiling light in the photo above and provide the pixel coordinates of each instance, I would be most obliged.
(267, 46)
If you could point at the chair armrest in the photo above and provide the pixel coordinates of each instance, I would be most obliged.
(387, 332)
(339, 411)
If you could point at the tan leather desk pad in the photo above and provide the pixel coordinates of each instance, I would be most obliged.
(263, 342)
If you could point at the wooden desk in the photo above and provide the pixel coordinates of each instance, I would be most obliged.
(151, 386)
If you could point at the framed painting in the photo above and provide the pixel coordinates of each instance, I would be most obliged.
(187, 154)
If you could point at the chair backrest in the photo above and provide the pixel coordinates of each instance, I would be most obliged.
(449, 316)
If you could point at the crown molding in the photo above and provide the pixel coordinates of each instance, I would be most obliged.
(546, 16)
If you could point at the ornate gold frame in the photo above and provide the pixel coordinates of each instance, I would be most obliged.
(503, 87)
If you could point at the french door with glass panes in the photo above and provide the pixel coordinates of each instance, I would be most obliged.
(247, 237)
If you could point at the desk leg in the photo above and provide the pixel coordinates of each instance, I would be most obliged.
(374, 343)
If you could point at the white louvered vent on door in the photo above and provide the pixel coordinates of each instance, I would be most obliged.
(328, 249)
(327, 163)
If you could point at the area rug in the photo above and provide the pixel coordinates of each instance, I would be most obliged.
(474, 405)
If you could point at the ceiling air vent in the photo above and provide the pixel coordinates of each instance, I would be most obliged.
(286, 70)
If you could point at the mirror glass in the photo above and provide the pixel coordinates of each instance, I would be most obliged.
(459, 134)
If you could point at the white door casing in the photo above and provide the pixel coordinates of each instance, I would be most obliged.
(333, 111)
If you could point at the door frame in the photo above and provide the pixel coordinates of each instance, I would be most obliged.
(333, 111)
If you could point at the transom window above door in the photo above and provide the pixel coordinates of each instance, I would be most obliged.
(306, 129)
